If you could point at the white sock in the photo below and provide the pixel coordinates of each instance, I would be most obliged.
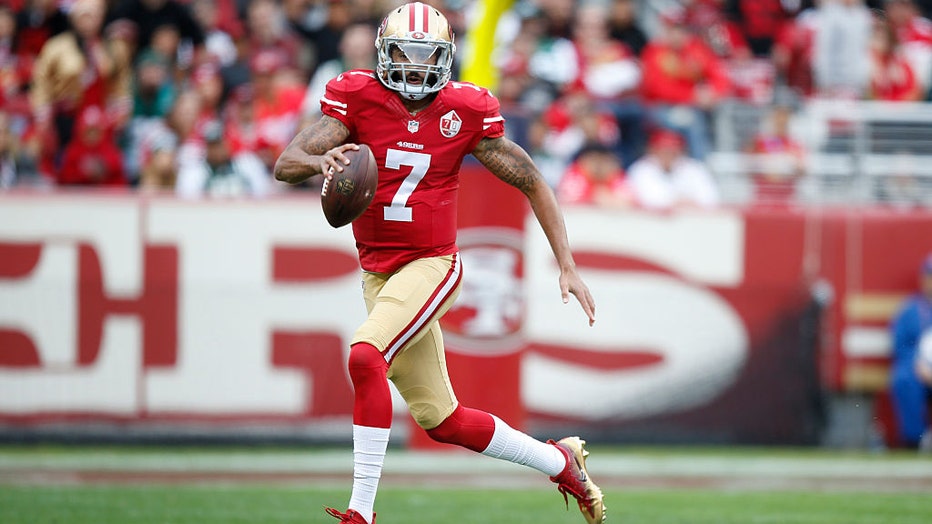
(514, 446)
(369, 445)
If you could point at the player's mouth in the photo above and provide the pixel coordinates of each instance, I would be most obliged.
(414, 78)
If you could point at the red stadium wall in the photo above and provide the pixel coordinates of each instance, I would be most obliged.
(153, 315)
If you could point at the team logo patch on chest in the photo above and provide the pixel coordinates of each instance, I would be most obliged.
(450, 124)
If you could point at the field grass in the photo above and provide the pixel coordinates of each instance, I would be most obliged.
(198, 504)
(49, 486)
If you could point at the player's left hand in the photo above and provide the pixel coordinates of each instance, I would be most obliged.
(571, 282)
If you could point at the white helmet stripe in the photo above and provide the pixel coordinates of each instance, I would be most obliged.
(419, 17)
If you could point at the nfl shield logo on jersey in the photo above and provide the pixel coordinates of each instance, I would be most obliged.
(413, 126)
(450, 124)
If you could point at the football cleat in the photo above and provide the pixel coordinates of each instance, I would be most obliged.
(575, 480)
(350, 517)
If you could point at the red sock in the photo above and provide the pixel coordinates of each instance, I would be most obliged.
(466, 427)
(372, 406)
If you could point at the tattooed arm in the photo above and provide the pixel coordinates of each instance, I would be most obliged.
(510, 163)
(314, 151)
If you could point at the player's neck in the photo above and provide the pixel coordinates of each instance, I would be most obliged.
(416, 106)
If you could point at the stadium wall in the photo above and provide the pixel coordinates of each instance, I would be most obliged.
(133, 318)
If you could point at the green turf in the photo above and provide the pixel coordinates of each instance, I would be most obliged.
(201, 504)
(40, 485)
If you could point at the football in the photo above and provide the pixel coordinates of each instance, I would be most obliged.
(345, 196)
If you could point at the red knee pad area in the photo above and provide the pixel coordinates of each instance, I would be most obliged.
(364, 356)
(372, 405)
(466, 427)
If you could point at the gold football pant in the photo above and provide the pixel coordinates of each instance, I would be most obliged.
(404, 311)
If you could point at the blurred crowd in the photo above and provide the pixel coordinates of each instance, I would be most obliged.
(614, 99)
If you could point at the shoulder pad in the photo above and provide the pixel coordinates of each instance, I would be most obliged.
(353, 80)
(471, 95)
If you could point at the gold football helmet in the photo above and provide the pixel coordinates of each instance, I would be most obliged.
(415, 44)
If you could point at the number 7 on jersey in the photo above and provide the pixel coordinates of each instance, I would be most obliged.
(398, 211)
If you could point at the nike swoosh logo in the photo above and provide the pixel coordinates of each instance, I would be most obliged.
(582, 472)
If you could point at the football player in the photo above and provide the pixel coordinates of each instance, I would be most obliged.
(420, 126)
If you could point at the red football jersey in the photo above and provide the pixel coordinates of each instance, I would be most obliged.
(413, 213)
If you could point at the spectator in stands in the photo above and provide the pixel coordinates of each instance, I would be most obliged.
(121, 37)
(151, 15)
(268, 31)
(166, 41)
(595, 177)
(558, 17)
(760, 21)
(564, 128)
(552, 63)
(218, 43)
(665, 178)
(683, 81)
(610, 75)
(92, 158)
(277, 104)
(7, 33)
(778, 160)
(8, 154)
(624, 27)
(514, 58)
(218, 173)
(238, 72)
(206, 80)
(125, 31)
(914, 34)
(230, 15)
(792, 53)
(707, 20)
(521, 96)
(160, 166)
(751, 79)
(35, 24)
(154, 93)
(891, 76)
(911, 397)
(17, 167)
(240, 120)
(154, 89)
(14, 70)
(842, 40)
(184, 123)
(79, 69)
(322, 24)
(355, 53)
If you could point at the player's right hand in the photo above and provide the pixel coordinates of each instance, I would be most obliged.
(334, 160)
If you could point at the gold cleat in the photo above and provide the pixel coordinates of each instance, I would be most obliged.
(575, 480)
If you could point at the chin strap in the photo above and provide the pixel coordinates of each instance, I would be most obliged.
(415, 97)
